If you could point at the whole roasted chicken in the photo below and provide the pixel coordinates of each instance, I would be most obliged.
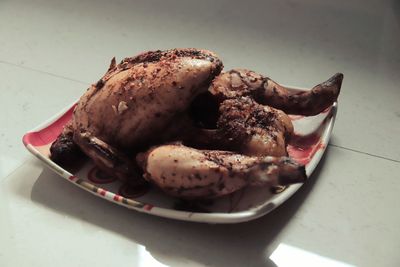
(172, 118)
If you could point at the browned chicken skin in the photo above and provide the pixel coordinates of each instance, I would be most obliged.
(190, 173)
(254, 129)
(246, 127)
(139, 97)
(241, 82)
(147, 100)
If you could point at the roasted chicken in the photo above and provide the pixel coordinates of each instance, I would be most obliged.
(232, 128)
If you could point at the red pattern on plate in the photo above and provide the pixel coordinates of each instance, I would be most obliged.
(49, 134)
(102, 192)
(117, 198)
(302, 148)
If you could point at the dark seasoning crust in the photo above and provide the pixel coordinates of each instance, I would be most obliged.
(166, 57)
(241, 117)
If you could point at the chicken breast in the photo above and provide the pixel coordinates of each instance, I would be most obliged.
(138, 98)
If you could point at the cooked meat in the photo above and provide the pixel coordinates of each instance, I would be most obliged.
(138, 98)
(242, 82)
(237, 120)
(190, 173)
(244, 126)
(254, 129)
(131, 105)
(64, 150)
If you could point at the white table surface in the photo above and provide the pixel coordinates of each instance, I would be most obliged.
(348, 213)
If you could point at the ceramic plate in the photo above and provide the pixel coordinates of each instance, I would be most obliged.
(307, 147)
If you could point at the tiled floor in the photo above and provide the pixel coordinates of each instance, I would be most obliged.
(51, 50)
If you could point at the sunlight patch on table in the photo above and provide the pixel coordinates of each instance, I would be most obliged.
(289, 256)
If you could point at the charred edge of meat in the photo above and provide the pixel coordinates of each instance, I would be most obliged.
(286, 173)
(99, 84)
(64, 151)
(290, 172)
(113, 64)
(335, 80)
(319, 98)
(287, 179)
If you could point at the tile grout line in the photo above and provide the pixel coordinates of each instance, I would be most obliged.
(365, 153)
(81, 82)
(43, 72)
